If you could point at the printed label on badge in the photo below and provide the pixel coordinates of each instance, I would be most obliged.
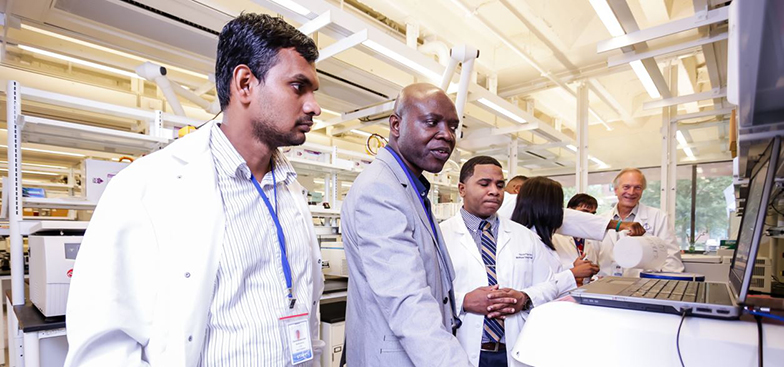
(296, 333)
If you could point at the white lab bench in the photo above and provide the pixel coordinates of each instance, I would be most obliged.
(34, 341)
(564, 333)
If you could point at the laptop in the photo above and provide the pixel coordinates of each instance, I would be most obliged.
(708, 299)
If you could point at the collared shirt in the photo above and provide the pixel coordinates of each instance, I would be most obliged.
(472, 224)
(630, 217)
(250, 292)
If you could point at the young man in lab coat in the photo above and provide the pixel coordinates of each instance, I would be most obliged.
(196, 252)
(629, 185)
(510, 195)
(500, 272)
(579, 254)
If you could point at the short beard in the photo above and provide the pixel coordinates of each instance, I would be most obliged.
(265, 132)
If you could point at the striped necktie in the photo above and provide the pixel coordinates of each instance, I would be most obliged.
(494, 328)
(580, 244)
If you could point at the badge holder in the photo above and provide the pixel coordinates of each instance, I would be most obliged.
(295, 331)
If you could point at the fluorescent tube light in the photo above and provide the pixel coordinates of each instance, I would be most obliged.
(610, 21)
(35, 172)
(38, 165)
(112, 51)
(324, 110)
(684, 145)
(599, 162)
(375, 46)
(502, 110)
(293, 6)
(360, 132)
(645, 78)
(607, 17)
(80, 61)
(49, 151)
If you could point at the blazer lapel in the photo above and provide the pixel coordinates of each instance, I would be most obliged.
(386, 157)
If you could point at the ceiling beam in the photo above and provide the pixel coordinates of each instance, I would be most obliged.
(628, 57)
(702, 125)
(689, 116)
(666, 102)
(624, 14)
(652, 33)
(357, 114)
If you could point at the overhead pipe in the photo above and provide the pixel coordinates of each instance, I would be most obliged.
(157, 75)
(465, 55)
(183, 92)
(520, 52)
(438, 48)
(171, 89)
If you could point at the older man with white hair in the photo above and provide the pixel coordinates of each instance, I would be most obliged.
(629, 185)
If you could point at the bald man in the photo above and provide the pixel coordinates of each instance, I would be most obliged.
(401, 308)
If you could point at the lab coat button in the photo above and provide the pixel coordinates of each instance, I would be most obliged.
(190, 338)
(187, 275)
(446, 299)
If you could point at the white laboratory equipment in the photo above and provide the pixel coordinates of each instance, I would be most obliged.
(53, 249)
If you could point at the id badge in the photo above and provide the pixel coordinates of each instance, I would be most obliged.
(295, 330)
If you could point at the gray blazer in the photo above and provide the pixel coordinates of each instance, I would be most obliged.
(400, 300)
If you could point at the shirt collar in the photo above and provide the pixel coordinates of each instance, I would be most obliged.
(632, 214)
(230, 163)
(422, 184)
(472, 221)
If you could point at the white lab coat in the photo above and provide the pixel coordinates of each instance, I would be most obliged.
(575, 222)
(520, 264)
(656, 223)
(567, 251)
(145, 274)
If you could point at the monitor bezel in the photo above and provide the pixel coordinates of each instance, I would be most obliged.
(740, 286)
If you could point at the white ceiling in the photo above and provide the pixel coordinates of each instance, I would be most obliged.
(560, 36)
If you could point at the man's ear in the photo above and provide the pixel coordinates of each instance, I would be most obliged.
(461, 189)
(242, 84)
(394, 125)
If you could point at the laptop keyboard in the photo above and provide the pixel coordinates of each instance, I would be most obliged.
(674, 290)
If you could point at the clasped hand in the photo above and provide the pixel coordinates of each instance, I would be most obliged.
(494, 302)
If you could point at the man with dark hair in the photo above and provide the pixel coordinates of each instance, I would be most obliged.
(203, 252)
(584, 203)
(576, 252)
(488, 250)
(510, 197)
(401, 307)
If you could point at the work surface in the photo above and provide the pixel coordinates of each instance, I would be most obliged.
(563, 333)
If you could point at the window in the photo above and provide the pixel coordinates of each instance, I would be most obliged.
(712, 210)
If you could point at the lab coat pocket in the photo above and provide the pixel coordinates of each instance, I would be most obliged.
(391, 344)
(522, 269)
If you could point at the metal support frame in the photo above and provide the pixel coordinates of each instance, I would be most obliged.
(13, 113)
(669, 150)
(676, 26)
(672, 101)
(512, 162)
(581, 168)
(342, 45)
(360, 113)
(689, 116)
(316, 24)
(628, 57)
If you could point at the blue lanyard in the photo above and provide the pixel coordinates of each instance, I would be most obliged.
(281, 237)
(421, 199)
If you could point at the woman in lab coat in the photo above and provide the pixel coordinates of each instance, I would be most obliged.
(567, 246)
(540, 208)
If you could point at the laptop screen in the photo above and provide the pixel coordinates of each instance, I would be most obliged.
(753, 220)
